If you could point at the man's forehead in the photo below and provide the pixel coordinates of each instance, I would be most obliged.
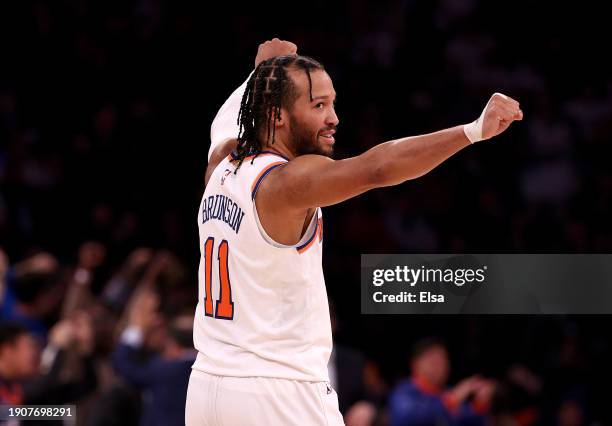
(322, 85)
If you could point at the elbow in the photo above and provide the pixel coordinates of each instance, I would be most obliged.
(380, 174)
(383, 175)
(377, 177)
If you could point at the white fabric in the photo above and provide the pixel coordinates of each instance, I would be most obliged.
(332, 369)
(259, 401)
(225, 124)
(280, 326)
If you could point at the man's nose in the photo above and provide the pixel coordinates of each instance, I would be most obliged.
(332, 119)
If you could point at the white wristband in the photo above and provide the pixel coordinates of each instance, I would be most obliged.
(473, 131)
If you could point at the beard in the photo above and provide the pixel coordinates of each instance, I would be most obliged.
(306, 141)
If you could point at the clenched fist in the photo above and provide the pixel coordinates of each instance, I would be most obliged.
(274, 47)
(496, 117)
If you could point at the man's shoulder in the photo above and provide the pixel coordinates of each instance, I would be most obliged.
(302, 166)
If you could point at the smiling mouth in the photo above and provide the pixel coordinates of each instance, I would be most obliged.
(328, 135)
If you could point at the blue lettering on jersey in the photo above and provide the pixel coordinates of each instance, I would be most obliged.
(222, 208)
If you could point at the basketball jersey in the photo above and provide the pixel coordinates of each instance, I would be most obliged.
(262, 308)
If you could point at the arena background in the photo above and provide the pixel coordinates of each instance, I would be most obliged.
(105, 110)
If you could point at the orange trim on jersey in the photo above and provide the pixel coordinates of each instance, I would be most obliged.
(312, 239)
(263, 172)
(261, 154)
(306, 247)
(320, 229)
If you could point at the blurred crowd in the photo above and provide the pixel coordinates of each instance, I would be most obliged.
(119, 345)
(104, 115)
(116, 340)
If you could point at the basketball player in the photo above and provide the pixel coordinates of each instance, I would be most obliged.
(262, 326)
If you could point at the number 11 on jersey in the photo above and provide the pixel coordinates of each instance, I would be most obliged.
(224, 305)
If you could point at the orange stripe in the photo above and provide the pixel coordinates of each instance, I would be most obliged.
(312, 240)
(263, 171)
(303, 249)
(251, 156)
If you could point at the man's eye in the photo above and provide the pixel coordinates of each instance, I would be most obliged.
(319, 105)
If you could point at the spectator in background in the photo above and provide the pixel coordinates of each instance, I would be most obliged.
(423, 399)
(19, 360)
(32, 293)
(64, 373)
(164, 377)
(356, 380)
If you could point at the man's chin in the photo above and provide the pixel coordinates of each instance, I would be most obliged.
(325, 149)
(320, 148)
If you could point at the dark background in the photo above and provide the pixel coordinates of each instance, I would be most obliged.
(105, 111)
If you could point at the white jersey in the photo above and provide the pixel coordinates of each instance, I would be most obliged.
(262, 307)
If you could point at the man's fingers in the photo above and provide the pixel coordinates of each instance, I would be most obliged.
(505, 111)
(519, 115)
(292, 47)
(512, 113)
(288, 47)
(275, 47)
(509, 105)
(281, 43)
(500, 97)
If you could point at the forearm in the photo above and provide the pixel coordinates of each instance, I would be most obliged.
(225, 124)
(408, 158)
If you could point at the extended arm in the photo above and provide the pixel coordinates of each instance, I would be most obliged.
(316, 181)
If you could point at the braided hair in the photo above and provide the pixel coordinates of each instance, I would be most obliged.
(268, 89)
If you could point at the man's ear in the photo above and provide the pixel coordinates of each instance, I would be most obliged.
(282, 120)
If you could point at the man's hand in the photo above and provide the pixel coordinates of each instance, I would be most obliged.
(274, 47)
(497, 116)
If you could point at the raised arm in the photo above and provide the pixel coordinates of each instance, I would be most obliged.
(225, 124)
(316, 181)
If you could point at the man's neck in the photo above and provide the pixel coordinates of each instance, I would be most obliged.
(280, 148)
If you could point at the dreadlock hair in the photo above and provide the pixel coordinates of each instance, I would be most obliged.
(268, 89)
